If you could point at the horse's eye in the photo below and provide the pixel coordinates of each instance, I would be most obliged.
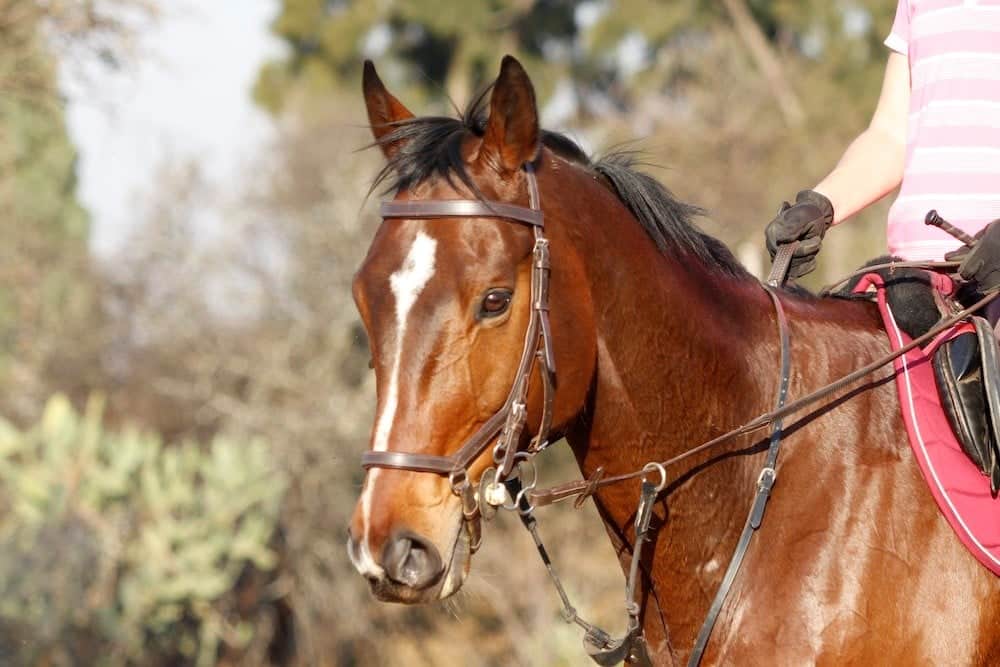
(495, 302)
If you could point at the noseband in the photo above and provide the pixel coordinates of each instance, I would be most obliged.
(507, 424)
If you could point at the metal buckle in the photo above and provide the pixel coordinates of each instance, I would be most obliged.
(766, 478)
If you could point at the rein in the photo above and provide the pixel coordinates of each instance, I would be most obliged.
(502, 486)
(549, 495)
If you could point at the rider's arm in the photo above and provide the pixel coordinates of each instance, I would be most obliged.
(872, 166)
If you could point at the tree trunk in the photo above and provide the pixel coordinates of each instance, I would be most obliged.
(765, 59)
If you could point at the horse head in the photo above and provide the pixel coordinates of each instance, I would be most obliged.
(452, 304)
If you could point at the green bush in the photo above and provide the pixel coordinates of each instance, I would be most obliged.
(114, 541)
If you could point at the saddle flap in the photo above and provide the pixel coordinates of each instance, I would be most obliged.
(967, 370)
(990, 378)
(957, 369)
(963, 353)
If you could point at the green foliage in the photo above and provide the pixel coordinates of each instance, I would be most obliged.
(430, 49)
(114, 540)
(44, 281)
(436, 49)
(37, 161)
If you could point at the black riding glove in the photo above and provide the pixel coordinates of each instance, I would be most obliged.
(806, 222)
(981, 264)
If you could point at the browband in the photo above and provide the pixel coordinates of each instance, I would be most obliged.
(461, 208)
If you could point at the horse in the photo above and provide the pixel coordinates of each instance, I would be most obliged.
(661, 341)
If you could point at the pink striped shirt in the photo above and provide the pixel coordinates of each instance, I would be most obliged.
(953, 137)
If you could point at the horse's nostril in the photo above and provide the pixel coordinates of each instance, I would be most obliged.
(411, 560)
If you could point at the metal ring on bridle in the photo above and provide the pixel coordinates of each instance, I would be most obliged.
(525, 463)
(658, 467)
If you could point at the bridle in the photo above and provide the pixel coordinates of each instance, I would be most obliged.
(502, 485)
(506, 426)
(497, 486)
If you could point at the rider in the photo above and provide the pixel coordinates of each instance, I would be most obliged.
(935, 132)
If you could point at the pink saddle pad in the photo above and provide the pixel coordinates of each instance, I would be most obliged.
(962, 492)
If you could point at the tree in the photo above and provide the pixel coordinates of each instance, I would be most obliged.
(612, 52)
(43, 228)
(48, 289)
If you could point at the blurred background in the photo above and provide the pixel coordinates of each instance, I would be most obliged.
(184, 390)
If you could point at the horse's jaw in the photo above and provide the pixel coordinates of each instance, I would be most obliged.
(458, 566)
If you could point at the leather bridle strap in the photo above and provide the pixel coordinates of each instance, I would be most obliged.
(460, 208)
(781, 263)
(441, 465)
(765, 481)
(509, 421)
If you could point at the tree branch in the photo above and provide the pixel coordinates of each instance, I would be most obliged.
(769, 64)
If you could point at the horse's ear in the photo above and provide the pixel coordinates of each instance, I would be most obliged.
(511, 135)
(384, 110)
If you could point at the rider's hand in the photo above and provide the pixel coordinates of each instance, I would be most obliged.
(806, 221)
(981, 264)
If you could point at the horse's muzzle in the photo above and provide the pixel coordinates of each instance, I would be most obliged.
(410, 569)
(412, 561)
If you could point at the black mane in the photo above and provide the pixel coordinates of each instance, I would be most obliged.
(432, 147)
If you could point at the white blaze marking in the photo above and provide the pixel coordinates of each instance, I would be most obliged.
(406, 285)
(363, 561)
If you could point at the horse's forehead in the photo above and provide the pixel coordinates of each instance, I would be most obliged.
(462, 245)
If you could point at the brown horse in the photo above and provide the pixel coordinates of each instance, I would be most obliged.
(662, 341)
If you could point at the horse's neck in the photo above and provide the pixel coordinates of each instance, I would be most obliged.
(675, 370)
(683, 354)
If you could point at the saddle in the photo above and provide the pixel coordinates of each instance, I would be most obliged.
(968, 380)
(966, 367)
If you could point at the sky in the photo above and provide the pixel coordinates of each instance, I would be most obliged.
(185, 96)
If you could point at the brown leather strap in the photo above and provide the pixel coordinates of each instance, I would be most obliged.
(442, 465)
(461, 208)
(765, 482)
(781, 263)
(552, 494)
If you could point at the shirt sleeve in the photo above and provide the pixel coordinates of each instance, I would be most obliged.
(899, 37)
